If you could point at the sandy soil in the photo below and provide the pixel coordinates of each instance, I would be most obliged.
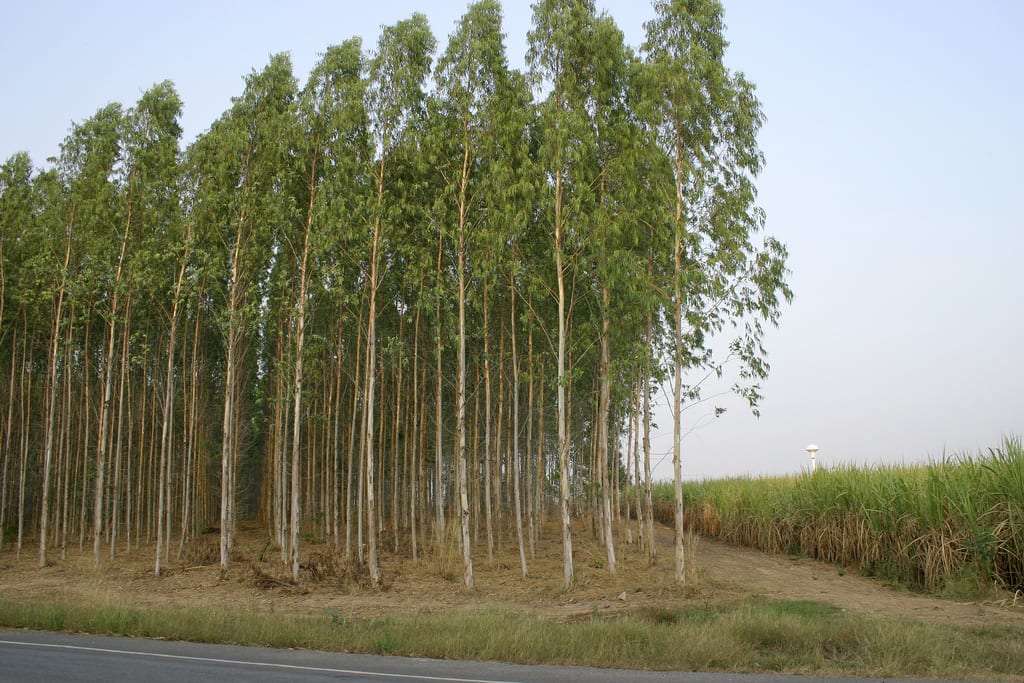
(717, 573)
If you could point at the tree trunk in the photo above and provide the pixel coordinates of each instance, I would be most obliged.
(26, 425)
(414, 478)
(300, 345)
(189, 497)
(652, 547)
(371, 370)
(51, 411)
(460, 391)
(563, 379)
(677, 383)
(488, 476)
(439, 497)
(108, 389)
(516, 459)
(531, 497)
(123, 379)
(604, 407)
(231, 388)
(8, 432)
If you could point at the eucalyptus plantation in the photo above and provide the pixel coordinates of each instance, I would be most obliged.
(403, 301)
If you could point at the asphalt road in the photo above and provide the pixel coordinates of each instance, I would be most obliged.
(29, 656)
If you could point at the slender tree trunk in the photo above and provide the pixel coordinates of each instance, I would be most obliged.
(499, 432)
(168, 403)
(353, 456)
(677, 383)
(51, 411)
(634, 443)
(396, 428)
(300, 344)
(531, 484)
(123, 380)
(69, 469)
(423, 478)
(279, 443)
(516, 459)
(414, 478)
(460, 391)
(488, 476)
(542, 463)
(189, 497)
(86, 436)
(563, 379)
(652, 547)
(604, 406)
(228, 435)
(439, 497)
(26, 426)
(8, 432)
(108, 389)
(477, 467)
(336, 443)
(371, 370)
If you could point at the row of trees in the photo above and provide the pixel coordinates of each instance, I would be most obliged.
(379, 314)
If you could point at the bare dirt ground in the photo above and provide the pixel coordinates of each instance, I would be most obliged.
(718, 573)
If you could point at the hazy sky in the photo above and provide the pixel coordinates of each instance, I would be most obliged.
(894, 176)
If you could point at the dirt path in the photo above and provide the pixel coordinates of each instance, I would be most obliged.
(778, 576)
(723, 574)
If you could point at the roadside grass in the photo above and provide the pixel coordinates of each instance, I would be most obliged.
(749, 635)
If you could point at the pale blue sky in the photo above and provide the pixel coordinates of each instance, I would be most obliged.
(894, 175)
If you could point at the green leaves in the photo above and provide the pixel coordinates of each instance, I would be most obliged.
(397, 73)
(612, 194)
(707, 119)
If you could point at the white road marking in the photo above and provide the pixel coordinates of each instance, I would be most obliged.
(294, 667)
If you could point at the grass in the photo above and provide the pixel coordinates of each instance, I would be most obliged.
(746, 636)
(954, 527)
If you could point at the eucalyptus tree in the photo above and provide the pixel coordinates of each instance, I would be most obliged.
(18, 205)
(52, 391)
(395, 97)
(328, 148)
(345, 198)
(560, 44)
(242, 161)
(617, 150)
(472, 76)
(514, 183)
(18, 209)
(151, 147)
(624, 251)
(95, 208)
(31, 251)
(708, 119)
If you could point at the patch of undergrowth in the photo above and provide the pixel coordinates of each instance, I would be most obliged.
(746, 636)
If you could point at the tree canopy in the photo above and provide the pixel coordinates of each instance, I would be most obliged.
(421, 291)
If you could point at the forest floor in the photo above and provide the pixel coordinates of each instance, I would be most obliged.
(258, 581)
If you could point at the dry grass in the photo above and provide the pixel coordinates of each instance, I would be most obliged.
(637, 617)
